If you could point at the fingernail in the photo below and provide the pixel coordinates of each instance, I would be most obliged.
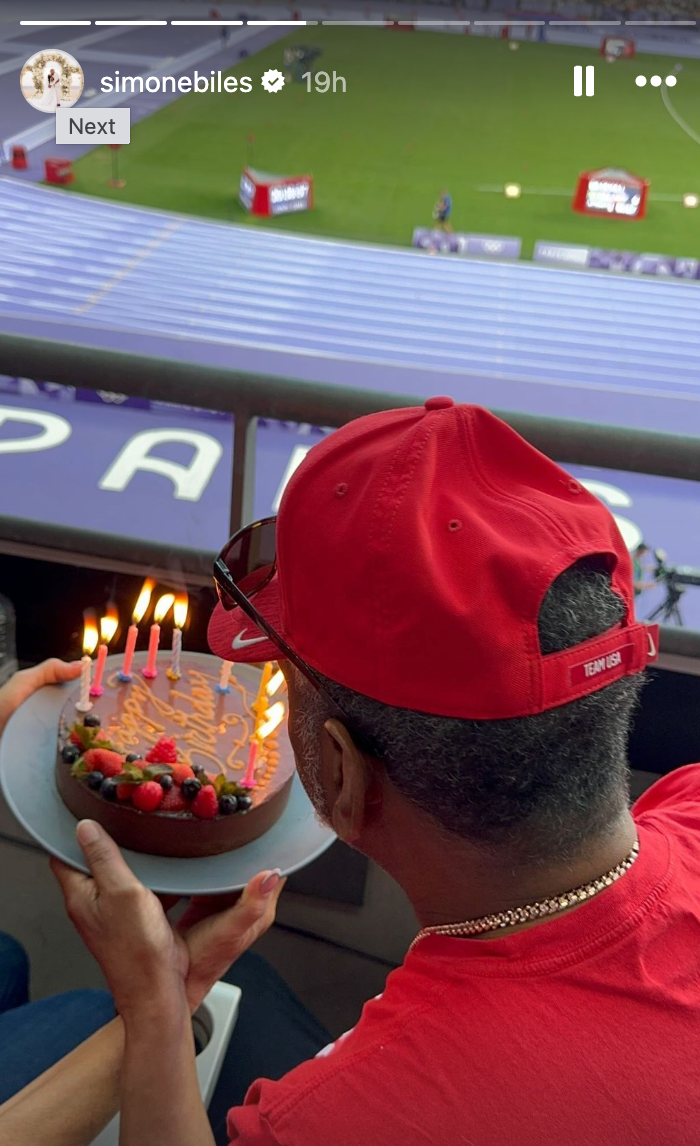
(88, 832)
(270, 882)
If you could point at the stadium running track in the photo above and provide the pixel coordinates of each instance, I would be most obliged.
(517, 336)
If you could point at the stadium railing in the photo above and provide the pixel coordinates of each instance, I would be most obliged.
(250, 397)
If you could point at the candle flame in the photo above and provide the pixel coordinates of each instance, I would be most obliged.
(90, 634)
(163, 606)
(180, 610)
(109, 624)
(144, 600)
(275, 683)
(273, 717)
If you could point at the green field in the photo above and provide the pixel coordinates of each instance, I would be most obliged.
(423, 111)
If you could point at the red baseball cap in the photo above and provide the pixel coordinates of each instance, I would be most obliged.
(414, 550)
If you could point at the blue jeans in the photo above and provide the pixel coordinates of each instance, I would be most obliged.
(273, 1033)
(33, 1036)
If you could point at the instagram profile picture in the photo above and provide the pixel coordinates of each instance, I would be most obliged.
(51, 79)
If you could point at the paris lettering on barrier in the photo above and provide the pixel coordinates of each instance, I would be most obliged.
(68, 456)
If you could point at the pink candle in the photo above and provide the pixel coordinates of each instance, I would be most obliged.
(248, 780)
(163, 606)
(97, 688)
(142, 603)
(150, 671)
(108, 627)
(131, 636)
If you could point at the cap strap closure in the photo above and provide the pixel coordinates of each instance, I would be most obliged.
(596, 663)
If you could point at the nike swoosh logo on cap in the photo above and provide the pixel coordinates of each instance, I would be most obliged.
(652, 645)
(240, 642)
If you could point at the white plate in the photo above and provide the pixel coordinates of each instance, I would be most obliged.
(27, 763)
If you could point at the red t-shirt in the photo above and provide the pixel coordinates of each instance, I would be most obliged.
(584, 1030)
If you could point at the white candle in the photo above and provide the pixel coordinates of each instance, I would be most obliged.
(174, 670)
(97, 688)
(179, 617)
(84, 703)
(223, 685)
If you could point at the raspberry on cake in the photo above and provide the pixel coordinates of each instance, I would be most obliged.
(164, 752)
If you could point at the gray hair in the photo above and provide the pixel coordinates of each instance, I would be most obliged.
(534, 789)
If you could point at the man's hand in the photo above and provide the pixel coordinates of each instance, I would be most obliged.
(21, 686)
(124, 926)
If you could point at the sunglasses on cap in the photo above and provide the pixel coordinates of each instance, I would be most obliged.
(245, 565)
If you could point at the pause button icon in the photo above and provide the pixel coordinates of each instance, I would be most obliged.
(578, 80)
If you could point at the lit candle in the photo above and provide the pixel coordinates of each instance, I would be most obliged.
(179, 616)
(161, 610)
(260, 706)
(108, 627)
(144, 600)
(248, 780)
(262, 720)
(174, 667)
(84, 704)
(275, 682)
(223, 686)
(273, 716)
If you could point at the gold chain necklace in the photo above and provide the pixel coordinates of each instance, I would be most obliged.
(532, 910)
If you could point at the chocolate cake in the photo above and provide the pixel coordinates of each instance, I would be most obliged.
(160, 763)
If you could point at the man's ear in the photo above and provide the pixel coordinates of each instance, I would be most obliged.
(352, 781)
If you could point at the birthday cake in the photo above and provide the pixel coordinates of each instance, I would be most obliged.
(176, 767)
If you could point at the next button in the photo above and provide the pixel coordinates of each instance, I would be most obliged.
(98, 125)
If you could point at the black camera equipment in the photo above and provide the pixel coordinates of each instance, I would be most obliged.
(675, 578)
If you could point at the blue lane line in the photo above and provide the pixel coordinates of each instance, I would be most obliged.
(537, 356)
(94, 265)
